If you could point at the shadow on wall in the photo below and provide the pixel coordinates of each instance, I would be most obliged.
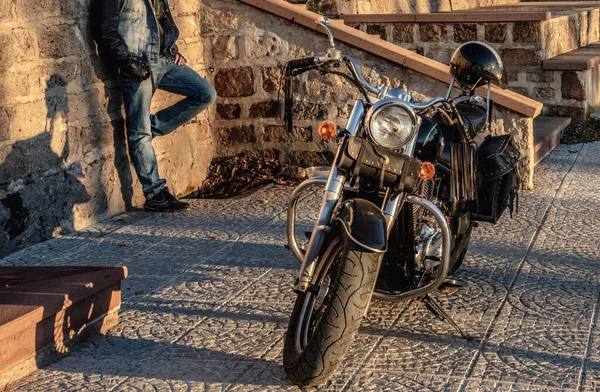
(62, 173)
(41, 204)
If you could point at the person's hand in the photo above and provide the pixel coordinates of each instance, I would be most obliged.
(180, 60)
(136, 69)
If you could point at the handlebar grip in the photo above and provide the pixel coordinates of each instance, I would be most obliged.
(302, 63)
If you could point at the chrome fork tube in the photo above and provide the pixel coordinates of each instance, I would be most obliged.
(333, 193)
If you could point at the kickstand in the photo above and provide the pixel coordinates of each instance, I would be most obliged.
(435, 307)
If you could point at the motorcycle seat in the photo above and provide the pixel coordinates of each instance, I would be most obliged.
(473, 117)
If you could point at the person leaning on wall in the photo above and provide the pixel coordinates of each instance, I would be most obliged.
(140, 36)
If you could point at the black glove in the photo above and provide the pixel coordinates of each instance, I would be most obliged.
(136, 69)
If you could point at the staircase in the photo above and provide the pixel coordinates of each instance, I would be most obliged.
(551, 51)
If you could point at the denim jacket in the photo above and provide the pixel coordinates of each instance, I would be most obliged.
(129, 29)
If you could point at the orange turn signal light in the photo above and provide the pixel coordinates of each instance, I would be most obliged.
(427, 171)
(327, 130)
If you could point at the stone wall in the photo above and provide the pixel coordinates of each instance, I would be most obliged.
(337, 7)
(63, 157)
(249, 49)
(523, 47)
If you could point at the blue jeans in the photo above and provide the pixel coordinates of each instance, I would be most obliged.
(142, 127)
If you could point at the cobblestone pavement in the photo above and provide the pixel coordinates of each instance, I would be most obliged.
(209, 295)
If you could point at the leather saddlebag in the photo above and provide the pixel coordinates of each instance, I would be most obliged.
(498, 180)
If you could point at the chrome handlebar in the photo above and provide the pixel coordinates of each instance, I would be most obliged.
(334, 55)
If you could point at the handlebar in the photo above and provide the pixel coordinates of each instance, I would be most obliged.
(302, 63)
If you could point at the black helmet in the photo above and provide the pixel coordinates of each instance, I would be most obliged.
(475, 64)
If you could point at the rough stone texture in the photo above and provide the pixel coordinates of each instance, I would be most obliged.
(271, 79)
(379, 30)
(465, 33)
(403, 33)
(571, 86)
(495, 33)
(63, 152)
(265, 109)
(235, 82)
(228, 111)
(520, 57)
(527, 32)
(236, 135)
(213, 317)
(432, 32)
(576, 113)
(278, 133)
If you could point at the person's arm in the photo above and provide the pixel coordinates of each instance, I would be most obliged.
(110, 13)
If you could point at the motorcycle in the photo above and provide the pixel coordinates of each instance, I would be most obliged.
(408, 184)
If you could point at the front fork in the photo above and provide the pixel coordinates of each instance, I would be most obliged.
(334, 187)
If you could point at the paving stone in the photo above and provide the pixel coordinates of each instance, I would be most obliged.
(209, 295)
(391, 381)
(79, 372)
(233, 333)
(177, 375)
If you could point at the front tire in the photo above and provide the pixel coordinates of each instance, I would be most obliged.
(323, 324)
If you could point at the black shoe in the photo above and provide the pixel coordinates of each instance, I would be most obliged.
(163, 201)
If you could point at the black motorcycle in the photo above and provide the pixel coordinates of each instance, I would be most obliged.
(407, 185)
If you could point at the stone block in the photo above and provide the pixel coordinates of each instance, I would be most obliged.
(58, 41)
(310, 158)
(17, 46)
(271, 79)
(4, 125)
(35, 10)
(512, 76)
(310, 110)
(571, 87)
(279, 134)
(228, 111)
(225, 47)
(527, 32)
(265, 109)
(236, 135)
(541, 77)
(465, 32)
(403, 34)
(495, 33)
(188, 28)
(432, 32)
(377, 29)
(6, 10)
(185, 7)
(544, 92)
(576, 113)
(521, 57)
(265, 45)
(235, 82)
(28, 119)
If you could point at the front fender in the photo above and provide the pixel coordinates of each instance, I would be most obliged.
(364, 225)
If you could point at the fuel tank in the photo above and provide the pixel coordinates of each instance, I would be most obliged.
(430, 141)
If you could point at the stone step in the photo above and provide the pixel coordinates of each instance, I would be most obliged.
(524, 34)
(45, 310)
(581, 59)
(547, 131)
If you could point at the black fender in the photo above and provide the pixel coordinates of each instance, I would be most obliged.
(363, 225)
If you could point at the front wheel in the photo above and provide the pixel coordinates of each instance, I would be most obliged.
(326, 319)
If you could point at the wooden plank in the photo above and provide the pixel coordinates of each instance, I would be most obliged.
(508, 99)
(450, 17)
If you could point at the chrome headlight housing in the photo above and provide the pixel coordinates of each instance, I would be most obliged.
(392, 123)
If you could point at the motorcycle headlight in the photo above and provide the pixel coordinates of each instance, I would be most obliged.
(392, 124)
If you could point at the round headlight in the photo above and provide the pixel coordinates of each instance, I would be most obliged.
(392, 125)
